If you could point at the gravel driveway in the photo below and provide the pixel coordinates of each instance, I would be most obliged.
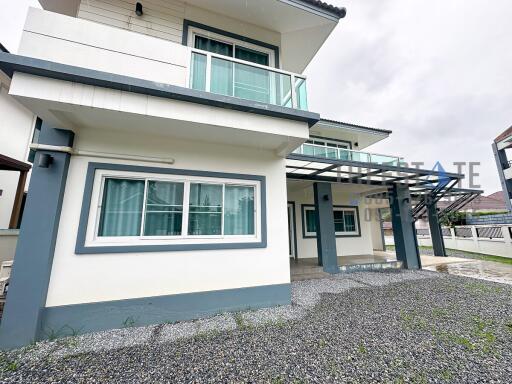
(391, 327)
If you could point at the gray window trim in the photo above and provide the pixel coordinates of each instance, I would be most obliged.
(303, 220)
(294, 228)
(81, 248)
(189, 23)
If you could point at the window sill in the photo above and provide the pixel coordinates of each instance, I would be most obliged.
(124, 248)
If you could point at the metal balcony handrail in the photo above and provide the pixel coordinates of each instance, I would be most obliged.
(291, 95)
(249, 63)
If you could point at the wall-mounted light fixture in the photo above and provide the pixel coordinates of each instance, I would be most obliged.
(138, 9)
(326, 197)
(45, 160)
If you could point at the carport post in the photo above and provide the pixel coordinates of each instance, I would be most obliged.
(406, 244)
(436, 234)
(325, 232)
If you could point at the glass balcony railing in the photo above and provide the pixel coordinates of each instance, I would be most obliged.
(232, 77)
(315, 150)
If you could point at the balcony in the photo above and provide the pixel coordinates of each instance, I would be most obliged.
(232, 77)
(314, 150)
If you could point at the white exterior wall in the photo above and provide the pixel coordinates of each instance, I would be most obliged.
(100, 277)
(164, 19)
(82, 43)
(346, 246)
(16, 126)
(66, 40)
(376, 227)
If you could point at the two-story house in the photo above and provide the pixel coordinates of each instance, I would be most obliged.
(178, 168)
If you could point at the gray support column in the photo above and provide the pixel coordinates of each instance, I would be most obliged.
(436, 234)
(325, 233)
(502, 163)
(404, 233)
(36, 243)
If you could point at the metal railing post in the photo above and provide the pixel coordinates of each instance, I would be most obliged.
(294, 95)
(208, 72)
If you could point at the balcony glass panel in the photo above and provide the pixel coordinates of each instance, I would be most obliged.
(250, 82)
(198, 72)
(221, 77)
(346, 154)
(384, 160)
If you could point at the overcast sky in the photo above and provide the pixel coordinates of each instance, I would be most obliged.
(438, 73)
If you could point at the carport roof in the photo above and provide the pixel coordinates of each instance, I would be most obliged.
(306, 167)
(426, 186)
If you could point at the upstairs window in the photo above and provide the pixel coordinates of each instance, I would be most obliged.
(231, 49)
(327, 148)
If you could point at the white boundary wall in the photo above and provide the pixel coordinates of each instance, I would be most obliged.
(496, 246)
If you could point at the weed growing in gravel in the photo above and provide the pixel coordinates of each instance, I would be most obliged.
(447, 375)
(129, 322)
(322, 343)
(7, 365)
(333, 368)
(483, 332)
(419, 378)
(412, 320)
(277, 380)
(362, 349)
(482, 288)
(509, 326)
(205, 335)
(456, 339)
(240, 322)
(441, 313)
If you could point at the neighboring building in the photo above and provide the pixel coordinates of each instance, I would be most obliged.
(16, 130)
(178, 168)
(501, 148)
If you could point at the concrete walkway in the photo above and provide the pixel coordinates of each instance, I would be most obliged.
(306, 269)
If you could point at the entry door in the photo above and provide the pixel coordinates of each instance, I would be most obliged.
(291, 232)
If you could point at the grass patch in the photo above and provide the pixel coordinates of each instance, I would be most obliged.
(412, 320)
(467, 254)
(482, 288)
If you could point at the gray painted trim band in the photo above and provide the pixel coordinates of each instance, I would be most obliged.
(10, 63)
(91, 317)
(81, 248)
(304, 236)
(190, 23)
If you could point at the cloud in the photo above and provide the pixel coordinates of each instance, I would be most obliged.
(437, 73)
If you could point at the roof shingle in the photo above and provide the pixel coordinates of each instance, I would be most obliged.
(340, 12)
